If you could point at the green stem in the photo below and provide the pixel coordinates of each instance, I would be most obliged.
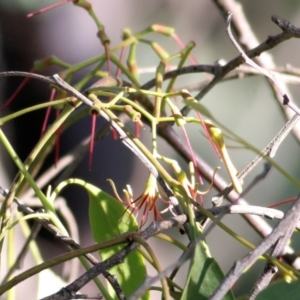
(31, 109)
(10, 261)
(156, 264)
(55, 126)
(123, 68)
(185, 53)
(60, 259)
(46, 203)
(171, 240)
(24, 218)
(43, 141)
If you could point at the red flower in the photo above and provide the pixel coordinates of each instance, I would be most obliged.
(146, 202)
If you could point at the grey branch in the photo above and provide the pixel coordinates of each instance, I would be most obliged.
(278, 250)
(239, 267)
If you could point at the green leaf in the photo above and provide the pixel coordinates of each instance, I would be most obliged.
(108, 219)
(281, 290)
(204, 276)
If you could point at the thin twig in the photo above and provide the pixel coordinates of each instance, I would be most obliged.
(268, 74)
(83, 296)
(265, 212)
(257, 179)
(18, 261)
(269, 150)
(288, 75)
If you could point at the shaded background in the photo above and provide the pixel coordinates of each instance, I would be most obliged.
(246, 106)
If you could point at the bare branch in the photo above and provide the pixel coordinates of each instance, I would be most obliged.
(270, 269)
(278, 232)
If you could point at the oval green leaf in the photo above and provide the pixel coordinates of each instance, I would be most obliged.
(204, 276)
(109, 219)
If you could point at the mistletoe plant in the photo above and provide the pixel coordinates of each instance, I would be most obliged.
(120, 238)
